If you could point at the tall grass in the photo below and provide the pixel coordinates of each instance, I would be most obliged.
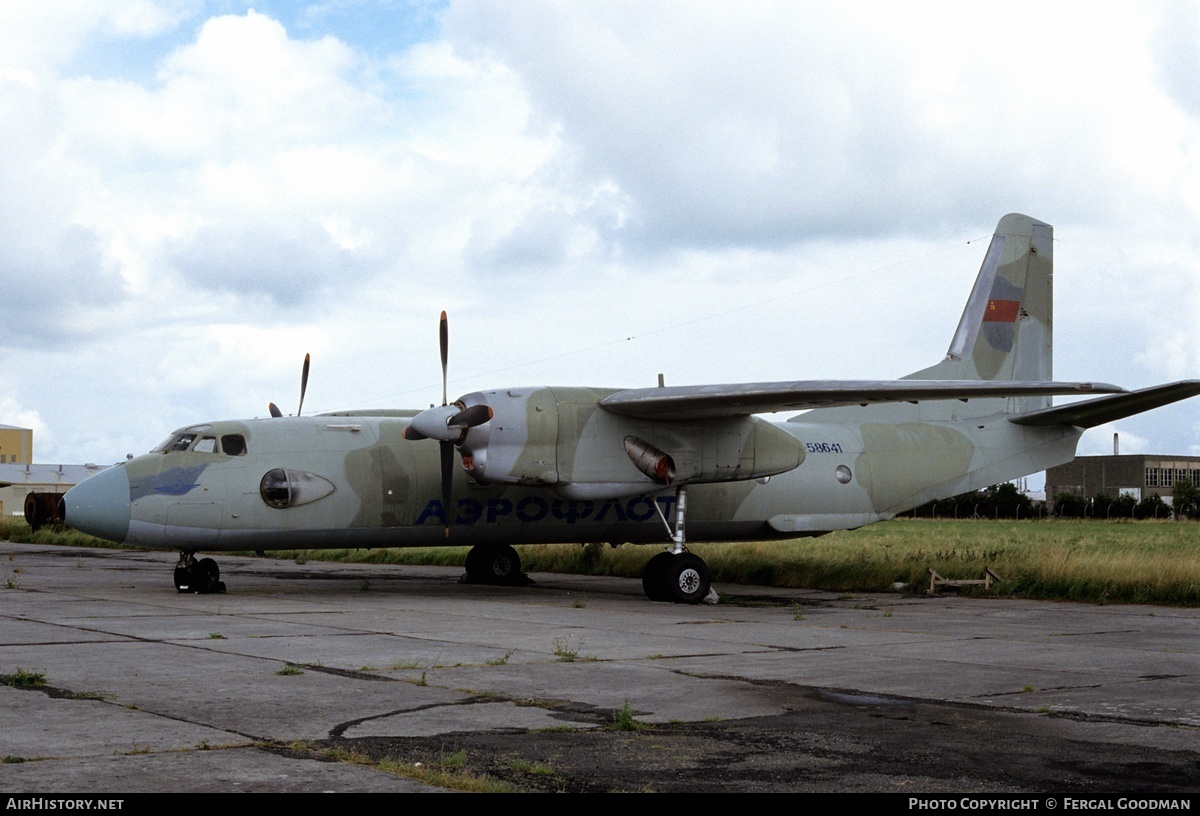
(1128, 562)
(15, 528)
(1117, 562)
(1066, 559)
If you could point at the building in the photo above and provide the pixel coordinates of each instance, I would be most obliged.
(18, 481)
(16, 445)
(1137, 475)
(19, 476)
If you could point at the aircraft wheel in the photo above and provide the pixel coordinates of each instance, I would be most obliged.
(494, 565)
(207, 576)
(183, 579)
(687, 579)
(654, 576)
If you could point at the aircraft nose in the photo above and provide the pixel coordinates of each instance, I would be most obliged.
(99, 505)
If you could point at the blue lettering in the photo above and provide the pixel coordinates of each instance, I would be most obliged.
(497, 508)
(637, 514)
(470, 511)
(532, 508)
(572, 510)
(615, 506)
(432, 510)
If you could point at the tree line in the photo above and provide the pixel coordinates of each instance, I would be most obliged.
(1005, 501)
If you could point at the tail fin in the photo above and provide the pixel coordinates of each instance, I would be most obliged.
(1006, 329)
(1005, 332)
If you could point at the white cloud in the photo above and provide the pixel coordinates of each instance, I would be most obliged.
(772, 123)
(47, 35)
(563, 176)
(19, 416)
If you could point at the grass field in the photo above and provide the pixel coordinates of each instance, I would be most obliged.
(1095, 561)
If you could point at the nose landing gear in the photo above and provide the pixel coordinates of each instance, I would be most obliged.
(495, 565)
(203, 576)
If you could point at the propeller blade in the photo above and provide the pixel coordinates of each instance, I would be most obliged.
(303, 383)
(470, 417)
(274, 409)
(444, 339)
(447, 480)
(412, 434)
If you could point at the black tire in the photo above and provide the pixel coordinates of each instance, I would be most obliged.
(474, 564)
(654, 576)
(494, 565)
(207, 576)
(183, 579)
(687, 579)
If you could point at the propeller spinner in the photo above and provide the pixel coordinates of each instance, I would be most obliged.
(447, 423)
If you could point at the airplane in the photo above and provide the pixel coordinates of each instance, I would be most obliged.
(664, 465)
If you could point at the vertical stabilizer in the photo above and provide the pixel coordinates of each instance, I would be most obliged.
(1006, 329)
(1005, 332)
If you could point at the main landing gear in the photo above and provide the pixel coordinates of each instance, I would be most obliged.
(495, 564)
(677, 575)
(203, 576)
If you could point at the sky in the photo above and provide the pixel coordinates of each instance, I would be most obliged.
(194, 194)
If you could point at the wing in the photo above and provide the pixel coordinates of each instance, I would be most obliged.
(1090, 413)
(711, 401)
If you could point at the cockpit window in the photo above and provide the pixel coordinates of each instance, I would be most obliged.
(175, 443)
(231, 444)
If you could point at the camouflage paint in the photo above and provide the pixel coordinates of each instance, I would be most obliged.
(552, 463)
(899, 461)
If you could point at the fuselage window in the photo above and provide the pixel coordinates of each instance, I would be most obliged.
(233, 444)
(275, 490)
(281, 488)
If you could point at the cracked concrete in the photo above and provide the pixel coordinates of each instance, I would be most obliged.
(157, 691)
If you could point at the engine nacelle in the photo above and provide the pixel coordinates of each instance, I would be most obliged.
(560, 438)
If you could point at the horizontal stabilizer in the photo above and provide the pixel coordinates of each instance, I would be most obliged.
(712, 401)
(1095, 412)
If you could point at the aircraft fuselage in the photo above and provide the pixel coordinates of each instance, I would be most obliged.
(669, 464)
(380, 490)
